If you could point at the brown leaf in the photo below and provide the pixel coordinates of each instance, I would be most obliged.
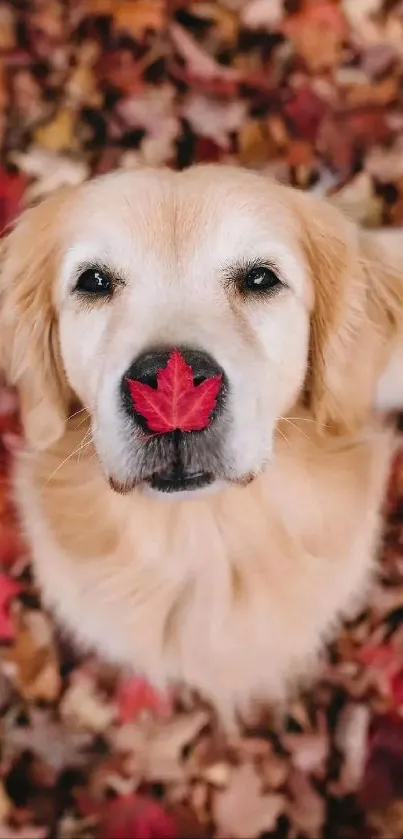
(32, 662)
(84, 708)
(317, 33)
(241, 810)
(59, 133)
(57, 744)
(198, 62)
(157, 745)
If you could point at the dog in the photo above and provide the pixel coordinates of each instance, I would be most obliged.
(223, 557)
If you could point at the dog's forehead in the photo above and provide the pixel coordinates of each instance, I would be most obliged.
(169, 214)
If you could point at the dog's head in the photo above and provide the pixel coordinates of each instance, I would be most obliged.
(272, 292)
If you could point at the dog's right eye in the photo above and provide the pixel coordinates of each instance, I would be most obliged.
(95, 281)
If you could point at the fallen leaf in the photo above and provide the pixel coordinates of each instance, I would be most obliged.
(198, 62)
(317, 32)
(176, 402)
(241, 810)
(212, 118)
(12, 188)
(7, 27)
(386, 164)
(51, 170)
(254, 143)
(307, 112)
(5, 804)
(135, 695)
(46, 736)
(307, 809)
(59, 133)
(84, 708)
(138, 17)
(157, 744)
(358, 12)
(31, 662)
(383, 777)
(262, 14)
(28, 832)
(357, 199)
(135, 817)
(351, 739)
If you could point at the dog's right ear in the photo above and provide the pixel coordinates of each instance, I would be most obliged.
(29, 342)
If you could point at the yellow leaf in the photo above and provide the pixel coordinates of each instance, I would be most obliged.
(58, 135)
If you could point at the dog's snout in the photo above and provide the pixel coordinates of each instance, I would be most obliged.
(146, 367)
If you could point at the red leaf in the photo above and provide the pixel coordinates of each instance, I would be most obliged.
(12, 189)
(135, 817)
(135, 694)
(9, 588)
(176, 402)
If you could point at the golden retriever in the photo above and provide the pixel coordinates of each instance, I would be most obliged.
(222, 557)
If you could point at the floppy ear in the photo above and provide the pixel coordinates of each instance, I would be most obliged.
(29, 342)
(358, 312)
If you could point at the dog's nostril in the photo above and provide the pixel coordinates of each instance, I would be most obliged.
(149, 379)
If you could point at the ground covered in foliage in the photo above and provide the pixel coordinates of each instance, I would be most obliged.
(309, 91)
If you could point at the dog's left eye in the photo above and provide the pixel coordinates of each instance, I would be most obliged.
(94, 281)
(259, 279)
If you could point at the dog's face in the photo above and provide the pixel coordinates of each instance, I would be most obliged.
(156, 262)
(102, 284)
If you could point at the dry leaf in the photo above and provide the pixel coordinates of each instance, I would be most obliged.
(157, 745)
(307, 809)
(31, 662)
(254, 143)
(50, 169)
(59, 134)
(82, 707)
(241, 810)
(5, 804)
(54, 742)
(7, 27)
(199, 62)
(262, 14)
(358, 200)
(214, 119)
(358, 12)
(351, 739)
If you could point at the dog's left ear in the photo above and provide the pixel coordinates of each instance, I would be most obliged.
(29, 342)
(358, 312)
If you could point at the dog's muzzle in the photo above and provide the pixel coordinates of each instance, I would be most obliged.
(175, 399)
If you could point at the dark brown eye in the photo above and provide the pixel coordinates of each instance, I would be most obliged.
(260, 279)
(95, 281)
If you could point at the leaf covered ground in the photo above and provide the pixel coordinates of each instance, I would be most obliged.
(308, 91)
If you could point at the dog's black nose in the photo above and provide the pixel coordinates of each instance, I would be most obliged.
(147, 365)
(145, 369)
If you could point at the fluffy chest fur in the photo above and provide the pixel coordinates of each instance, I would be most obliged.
(232, 592)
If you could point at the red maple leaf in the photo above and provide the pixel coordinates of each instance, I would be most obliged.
(176, 402)
(12, 187)
(135, 694)
(131, 816)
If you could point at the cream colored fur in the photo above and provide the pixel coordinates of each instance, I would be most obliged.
(235, 591)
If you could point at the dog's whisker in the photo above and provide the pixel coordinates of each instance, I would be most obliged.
(284, 436)
(306, 419)
(76, 413)
(294, 425)
(85, 443)
(78, 450)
